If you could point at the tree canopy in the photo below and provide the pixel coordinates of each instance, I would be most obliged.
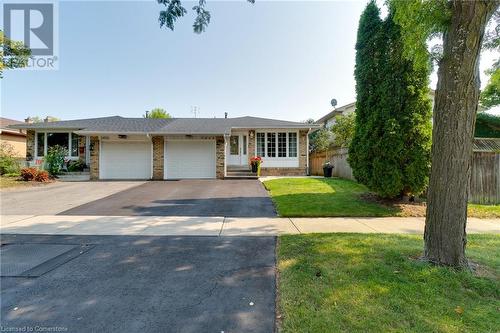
(14, 54)
(490, 96)
(157, 113)
(174, 10)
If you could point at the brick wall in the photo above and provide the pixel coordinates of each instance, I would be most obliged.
(94, 158)
(158, 157)
(303, 150)
(251, 145)
(283, 172)
(220, 158)
(30, 145)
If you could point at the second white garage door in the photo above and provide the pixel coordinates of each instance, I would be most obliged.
(190, 159)
(130, 160)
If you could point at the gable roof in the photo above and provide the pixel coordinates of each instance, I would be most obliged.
(336, 112)
(117, 124)
(5, 127)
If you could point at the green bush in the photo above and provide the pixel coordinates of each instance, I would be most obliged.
(76, 166)
(54, 161)
(8, 161)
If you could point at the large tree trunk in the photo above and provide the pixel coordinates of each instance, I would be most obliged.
(455, 110)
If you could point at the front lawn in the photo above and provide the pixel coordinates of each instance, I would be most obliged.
(374, 283)
(321, 197)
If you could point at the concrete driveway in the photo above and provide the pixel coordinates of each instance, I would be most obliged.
(142, 284)
(53, 199)
(229, 198)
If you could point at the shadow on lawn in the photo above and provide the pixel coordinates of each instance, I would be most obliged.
(368, 283)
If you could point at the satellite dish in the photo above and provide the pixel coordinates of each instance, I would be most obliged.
(333, 102)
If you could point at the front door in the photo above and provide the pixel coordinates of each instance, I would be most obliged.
(238, 147)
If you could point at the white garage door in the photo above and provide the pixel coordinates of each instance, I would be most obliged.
(125, 160)
(190, 159)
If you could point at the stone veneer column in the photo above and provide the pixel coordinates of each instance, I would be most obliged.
(251, 145)
(158, 157)
(303, 150)
(94, 158)
(220, 169)
(30, 145)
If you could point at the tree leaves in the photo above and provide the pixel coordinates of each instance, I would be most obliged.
(175, 10)
(172, 13)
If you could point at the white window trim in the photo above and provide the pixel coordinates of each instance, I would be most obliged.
(70, 134)
(276, 144)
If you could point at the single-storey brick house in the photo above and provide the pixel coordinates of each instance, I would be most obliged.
(177, 148)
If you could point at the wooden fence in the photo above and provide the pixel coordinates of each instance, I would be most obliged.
(338, 157)
(485, 178)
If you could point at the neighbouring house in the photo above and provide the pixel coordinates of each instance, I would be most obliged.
(14, 137)
(177, 148)
(328, 120)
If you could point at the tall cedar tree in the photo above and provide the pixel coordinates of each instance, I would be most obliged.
(368, 56)
(393, 156)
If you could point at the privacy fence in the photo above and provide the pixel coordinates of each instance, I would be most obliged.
(485, 179)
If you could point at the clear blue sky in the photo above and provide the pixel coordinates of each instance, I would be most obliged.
(283, 60)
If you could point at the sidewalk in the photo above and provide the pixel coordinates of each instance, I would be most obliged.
(218, 226)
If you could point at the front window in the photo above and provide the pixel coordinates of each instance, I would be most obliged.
(75, 143)
(281, 144)
(57, 139)
(271, 145)
(40, 144)
(69, 141)
(261, 144)
(292, 144)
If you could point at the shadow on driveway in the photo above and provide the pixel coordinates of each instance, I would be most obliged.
(231, 198)
(148, 284)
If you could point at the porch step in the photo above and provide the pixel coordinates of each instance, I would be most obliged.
(240, 174)
(74, 176)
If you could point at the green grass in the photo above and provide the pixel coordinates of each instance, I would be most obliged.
(370, 283)
(484, 211)
(322, 197)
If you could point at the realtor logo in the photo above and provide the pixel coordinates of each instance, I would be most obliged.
(34, 25)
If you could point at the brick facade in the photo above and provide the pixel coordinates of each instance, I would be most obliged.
(94, 158)
(82, 140)
(283, 172)
(220, 156)
(158, 157)
(303, 150)
(251, 144)
(30, 145)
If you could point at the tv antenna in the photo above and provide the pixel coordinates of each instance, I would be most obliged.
(195, 110)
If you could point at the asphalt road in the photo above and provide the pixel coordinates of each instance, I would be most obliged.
(231, 198)
(148, 284)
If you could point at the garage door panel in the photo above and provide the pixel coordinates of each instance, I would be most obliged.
(125, 160)
(190, 159)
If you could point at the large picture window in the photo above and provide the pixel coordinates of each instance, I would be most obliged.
(57, 139)
(70, 141)
(277, 145)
